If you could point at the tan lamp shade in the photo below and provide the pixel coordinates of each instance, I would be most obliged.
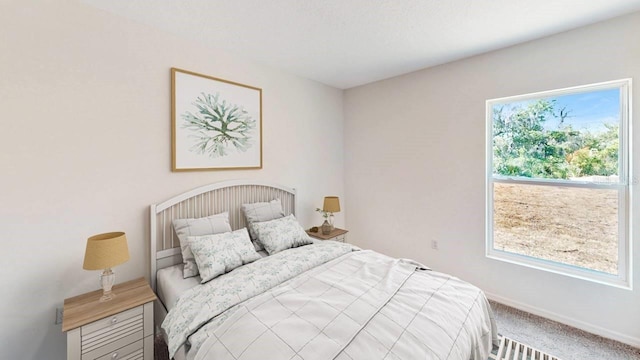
(331, 204)
(105, 251)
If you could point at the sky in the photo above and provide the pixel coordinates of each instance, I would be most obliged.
(587, 111)
(590, 110)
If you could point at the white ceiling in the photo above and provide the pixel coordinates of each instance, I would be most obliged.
(346, 43)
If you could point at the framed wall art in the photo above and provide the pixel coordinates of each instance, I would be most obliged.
(216, 123)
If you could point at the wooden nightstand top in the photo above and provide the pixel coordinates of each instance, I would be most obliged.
(83, 309)
(334, 233)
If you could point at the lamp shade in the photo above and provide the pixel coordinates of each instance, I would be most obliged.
(105, 251)
(331, 204)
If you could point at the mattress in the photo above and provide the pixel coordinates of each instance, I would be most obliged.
(170, 283)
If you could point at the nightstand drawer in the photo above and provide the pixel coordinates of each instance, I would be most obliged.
(133, 351)
(112, 347)
(112, 322)
(112, 333)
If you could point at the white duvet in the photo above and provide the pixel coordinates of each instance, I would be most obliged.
(332, 303)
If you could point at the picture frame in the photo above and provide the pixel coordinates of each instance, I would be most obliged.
(216, 124)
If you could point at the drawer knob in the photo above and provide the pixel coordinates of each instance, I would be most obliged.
(115, 355)
(113, 321)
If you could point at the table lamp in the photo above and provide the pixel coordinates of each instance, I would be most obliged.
(105, 251)
(331, 205)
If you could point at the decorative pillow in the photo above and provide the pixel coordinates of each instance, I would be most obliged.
(262, 211)
(281, 234)
(214, 224)
(220, 253)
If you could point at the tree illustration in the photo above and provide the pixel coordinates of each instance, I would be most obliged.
(218, 126)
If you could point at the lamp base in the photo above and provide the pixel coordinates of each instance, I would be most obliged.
(326, 228)
(107, 279)
(106, 297)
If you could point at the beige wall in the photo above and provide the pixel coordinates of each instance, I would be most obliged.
(85, 148)
(415, 168)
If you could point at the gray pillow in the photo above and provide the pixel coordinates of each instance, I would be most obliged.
(220, 253)
(259, 212)
(281, 234)
(214, 224)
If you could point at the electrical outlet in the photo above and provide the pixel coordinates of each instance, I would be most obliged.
(58, 315)
(434, 244)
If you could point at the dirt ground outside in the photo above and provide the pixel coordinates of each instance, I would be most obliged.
(574, 226)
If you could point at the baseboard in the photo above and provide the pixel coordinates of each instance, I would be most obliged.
(594, 329)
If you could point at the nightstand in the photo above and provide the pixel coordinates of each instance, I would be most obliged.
(121, 328)
(336, 235)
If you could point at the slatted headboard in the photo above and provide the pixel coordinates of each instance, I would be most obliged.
(204, 201)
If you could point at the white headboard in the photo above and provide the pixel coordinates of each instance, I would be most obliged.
(204, 201)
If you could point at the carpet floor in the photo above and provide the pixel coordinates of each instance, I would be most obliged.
(565, 342)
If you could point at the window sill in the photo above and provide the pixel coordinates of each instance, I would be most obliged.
(617, 281)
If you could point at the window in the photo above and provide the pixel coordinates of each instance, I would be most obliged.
(558, 181)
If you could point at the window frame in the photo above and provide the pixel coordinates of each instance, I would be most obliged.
(624, 277)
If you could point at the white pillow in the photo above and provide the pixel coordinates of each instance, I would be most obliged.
(261, 211)
(214, 224)
(220, 253)
(281, 234)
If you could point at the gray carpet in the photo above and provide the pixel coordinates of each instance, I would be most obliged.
(560, 340)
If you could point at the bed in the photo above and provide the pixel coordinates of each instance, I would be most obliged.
(309, 300)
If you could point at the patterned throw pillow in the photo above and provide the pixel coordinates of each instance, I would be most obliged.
(220, 253)
(214, 224)
(281, 234)
(261, 211)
